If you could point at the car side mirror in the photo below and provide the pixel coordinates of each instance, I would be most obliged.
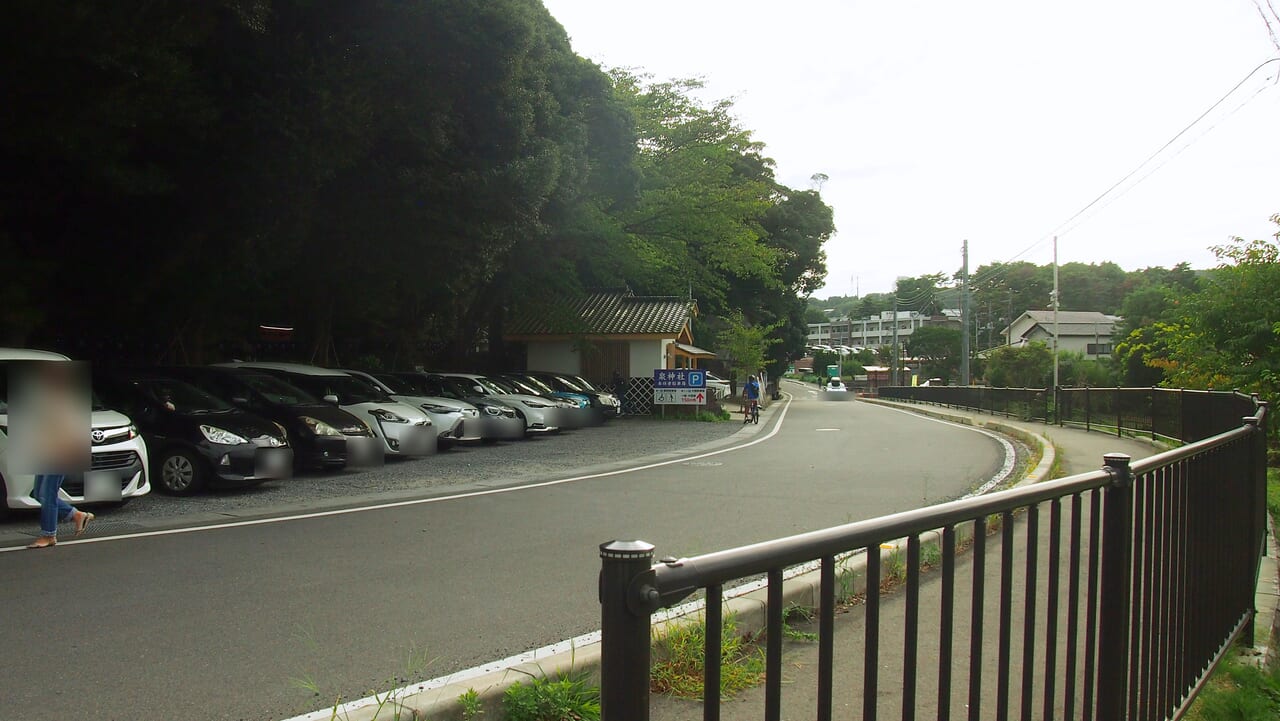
(331, 398)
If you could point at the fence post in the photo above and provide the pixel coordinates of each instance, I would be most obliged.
(624, 633)
(1088, 410)
(1114, 594)
(1119, 412)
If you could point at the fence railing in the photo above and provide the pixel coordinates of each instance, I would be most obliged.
(1161, 413)
(1030, 404)
(1117, 610)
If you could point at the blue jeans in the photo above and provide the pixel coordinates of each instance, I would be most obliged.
(52, 507)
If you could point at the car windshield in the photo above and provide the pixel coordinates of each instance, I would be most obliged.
(583, 383)
(348, 390)
(399, 386)
(459, 388)
(277, 391)
(532, 386)
(570, 385)
(179, 396)
(494, 386)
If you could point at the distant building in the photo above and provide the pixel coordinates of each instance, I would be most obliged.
(1087, 332)
(605, 332)
(877, 330)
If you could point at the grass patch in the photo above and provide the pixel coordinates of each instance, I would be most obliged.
(797, 614)
(1239, 691)
(567, 697)
(678, 660)
(1273, 492)
(702, 416)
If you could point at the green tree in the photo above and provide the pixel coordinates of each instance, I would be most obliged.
(1029, 366)
(744, 346)
(938, 348)
(1227, 335)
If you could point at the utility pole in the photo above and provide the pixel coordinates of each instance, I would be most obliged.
(964, 316)
(893, 369)
(1056, 302)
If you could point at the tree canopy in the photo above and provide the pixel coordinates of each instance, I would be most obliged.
(389, 178)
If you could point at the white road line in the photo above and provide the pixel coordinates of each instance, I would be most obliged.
(675, 612)
(420, 501)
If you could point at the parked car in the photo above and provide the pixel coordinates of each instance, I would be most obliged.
(606, 404)
(541, 415)
(576, 412)
(319, 432)
(718, 385)
(498, 420)
(118, 457)
(402, 429)
(448, 416)
(196, 440)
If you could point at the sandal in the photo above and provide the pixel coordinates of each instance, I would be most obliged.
(44, 542)
(82, 521)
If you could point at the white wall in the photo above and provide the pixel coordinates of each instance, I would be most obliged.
(647, 357)
(557, 356)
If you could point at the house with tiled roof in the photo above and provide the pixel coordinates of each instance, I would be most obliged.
(1087, 332)
(610, 331)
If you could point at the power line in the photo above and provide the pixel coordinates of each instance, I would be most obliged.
(1003, 267)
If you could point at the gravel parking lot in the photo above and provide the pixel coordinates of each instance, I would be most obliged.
(500, 463)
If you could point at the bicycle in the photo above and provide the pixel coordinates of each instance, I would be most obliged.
(752, 414)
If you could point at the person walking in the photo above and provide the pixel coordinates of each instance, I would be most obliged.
(49, 423)
(54, 510)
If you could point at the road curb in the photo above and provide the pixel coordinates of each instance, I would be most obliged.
(748, 610)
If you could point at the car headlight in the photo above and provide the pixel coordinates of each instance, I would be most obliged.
(319, 427)
(387, 416)
(471, 412)
(492, 410)
(438, 409)
(568, 404)
(608, 399)
(214, 434)
(537, 404)
(133, 431)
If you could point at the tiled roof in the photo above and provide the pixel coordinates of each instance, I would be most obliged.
(607, 313)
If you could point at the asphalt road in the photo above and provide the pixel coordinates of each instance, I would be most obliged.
(232, 623)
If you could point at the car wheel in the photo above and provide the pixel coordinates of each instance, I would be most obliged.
(180, 473)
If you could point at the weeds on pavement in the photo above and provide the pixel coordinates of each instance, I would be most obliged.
(678, 660)
(566, 697)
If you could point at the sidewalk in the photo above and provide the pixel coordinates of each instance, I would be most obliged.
(1078, 451)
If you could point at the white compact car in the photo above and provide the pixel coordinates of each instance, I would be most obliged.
(541, 415)
(449, 416)
(403, 429)
(118, 455)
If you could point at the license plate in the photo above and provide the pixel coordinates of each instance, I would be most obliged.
(364, 451)
(100, 486)
(273, 463)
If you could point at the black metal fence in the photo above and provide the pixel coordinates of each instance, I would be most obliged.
(1117, 610)
(1029, 404)
(1169, 413)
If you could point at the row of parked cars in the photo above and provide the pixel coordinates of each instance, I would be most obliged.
(188, 428)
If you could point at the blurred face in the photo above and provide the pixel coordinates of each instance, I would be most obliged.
(49, 416)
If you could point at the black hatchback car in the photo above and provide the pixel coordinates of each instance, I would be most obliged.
(194, 439)
(317, 431)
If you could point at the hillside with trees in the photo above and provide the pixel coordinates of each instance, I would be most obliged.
(391, 179)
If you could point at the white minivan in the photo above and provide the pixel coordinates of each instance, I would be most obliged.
(118, 454)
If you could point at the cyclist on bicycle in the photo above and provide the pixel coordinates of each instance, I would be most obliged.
(751, 394)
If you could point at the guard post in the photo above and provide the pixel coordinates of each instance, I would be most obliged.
(624, 632)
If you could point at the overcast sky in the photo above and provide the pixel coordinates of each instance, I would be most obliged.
(991, 120)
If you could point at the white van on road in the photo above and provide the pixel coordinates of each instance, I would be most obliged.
(118, 455)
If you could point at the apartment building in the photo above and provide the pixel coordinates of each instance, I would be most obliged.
(875, 331)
